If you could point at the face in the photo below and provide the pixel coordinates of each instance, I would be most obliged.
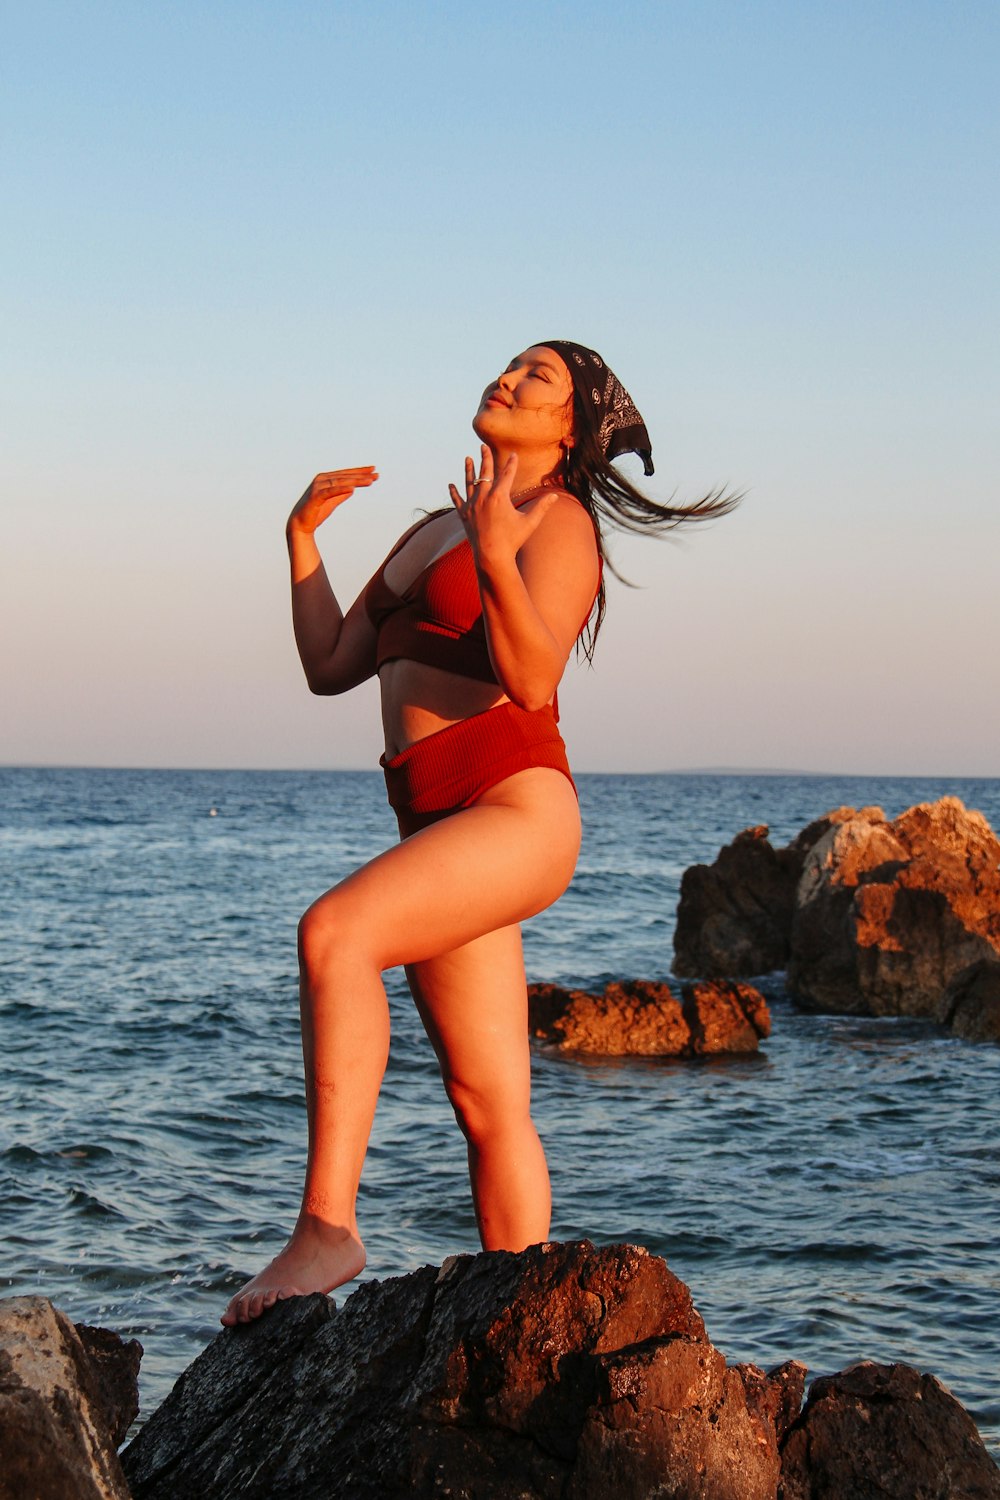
(530, 404)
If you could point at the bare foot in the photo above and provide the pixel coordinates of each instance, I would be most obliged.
(317, 1258)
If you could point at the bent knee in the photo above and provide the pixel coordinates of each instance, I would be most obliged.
(330, 933)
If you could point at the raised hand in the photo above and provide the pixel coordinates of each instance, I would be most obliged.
(494, 525)
(325, 493)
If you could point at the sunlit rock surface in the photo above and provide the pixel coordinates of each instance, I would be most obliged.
(564, 1372)
(882, 918)
(642, 1018)
(61, 1412)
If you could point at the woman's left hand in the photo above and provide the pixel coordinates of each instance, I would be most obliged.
(494, 525)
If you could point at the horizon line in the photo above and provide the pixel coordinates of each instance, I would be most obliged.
(370, 771)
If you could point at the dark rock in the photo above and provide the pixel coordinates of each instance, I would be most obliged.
(671, 1419)
(563, 1371)
(735, 916)
(885, 1432)
(55, 1443)
(213, 1392)
(971, 1004)
(641, 1018)
(889, 913)
(116, 1367)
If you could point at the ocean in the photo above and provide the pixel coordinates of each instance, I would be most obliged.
(834, 1197)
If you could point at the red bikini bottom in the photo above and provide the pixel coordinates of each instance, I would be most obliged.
(452, 768)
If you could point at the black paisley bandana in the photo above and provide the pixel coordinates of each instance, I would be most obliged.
(620, 427)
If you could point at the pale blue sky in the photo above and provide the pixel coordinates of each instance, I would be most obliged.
(246, 242)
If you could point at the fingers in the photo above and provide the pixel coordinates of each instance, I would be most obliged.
(344, 480)
(485, 464)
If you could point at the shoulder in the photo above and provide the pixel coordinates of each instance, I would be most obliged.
(567, 520)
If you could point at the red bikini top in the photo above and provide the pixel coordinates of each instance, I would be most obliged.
(438, 620)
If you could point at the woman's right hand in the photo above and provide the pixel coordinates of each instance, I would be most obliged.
(324, 494)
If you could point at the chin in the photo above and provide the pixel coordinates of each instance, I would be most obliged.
(482, 425)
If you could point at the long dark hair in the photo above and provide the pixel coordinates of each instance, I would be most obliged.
(606, 495)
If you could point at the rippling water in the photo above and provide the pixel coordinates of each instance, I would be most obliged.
(831, 1198)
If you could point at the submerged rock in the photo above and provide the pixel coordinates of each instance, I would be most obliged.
(642, 1018)
(871, 917)
(885, 1431)
(57, 1438)
(564, 1371)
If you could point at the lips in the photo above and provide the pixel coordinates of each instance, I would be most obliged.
(497, 399)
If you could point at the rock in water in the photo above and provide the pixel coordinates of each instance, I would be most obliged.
(55, 1440)
(885, 1431)
(871, 917)
(888, 914)
(735, 916)
(641, 1018)
(563, 1371)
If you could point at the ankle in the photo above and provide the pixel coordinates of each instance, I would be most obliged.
(316, 1221)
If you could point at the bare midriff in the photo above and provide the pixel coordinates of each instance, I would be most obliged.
(418, 700)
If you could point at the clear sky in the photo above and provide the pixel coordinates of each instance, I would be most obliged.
(245, 242)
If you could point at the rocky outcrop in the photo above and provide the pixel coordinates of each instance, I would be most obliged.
(564, 1371)
(882, 917)
(888, 914)
(641, 1018)
(59, 1420)
(735, 916)
(885, 1431)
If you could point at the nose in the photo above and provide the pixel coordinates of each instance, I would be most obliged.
(505, 381)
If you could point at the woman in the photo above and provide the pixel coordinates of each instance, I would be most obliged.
(468, 625)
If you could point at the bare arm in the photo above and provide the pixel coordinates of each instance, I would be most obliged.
(538, 573)
(337, 651)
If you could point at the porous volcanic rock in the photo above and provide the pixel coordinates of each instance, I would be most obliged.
(885, 1432)
(641, 1018)
(971, 1004)
(889, 913)
(563, 1371)
(55, 1440)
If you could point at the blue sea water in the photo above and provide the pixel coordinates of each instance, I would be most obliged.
(834, 1197)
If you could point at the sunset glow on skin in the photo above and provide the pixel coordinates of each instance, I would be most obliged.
(447, 901)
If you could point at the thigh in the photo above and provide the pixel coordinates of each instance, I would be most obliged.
(486, 867)
(473, 1002)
